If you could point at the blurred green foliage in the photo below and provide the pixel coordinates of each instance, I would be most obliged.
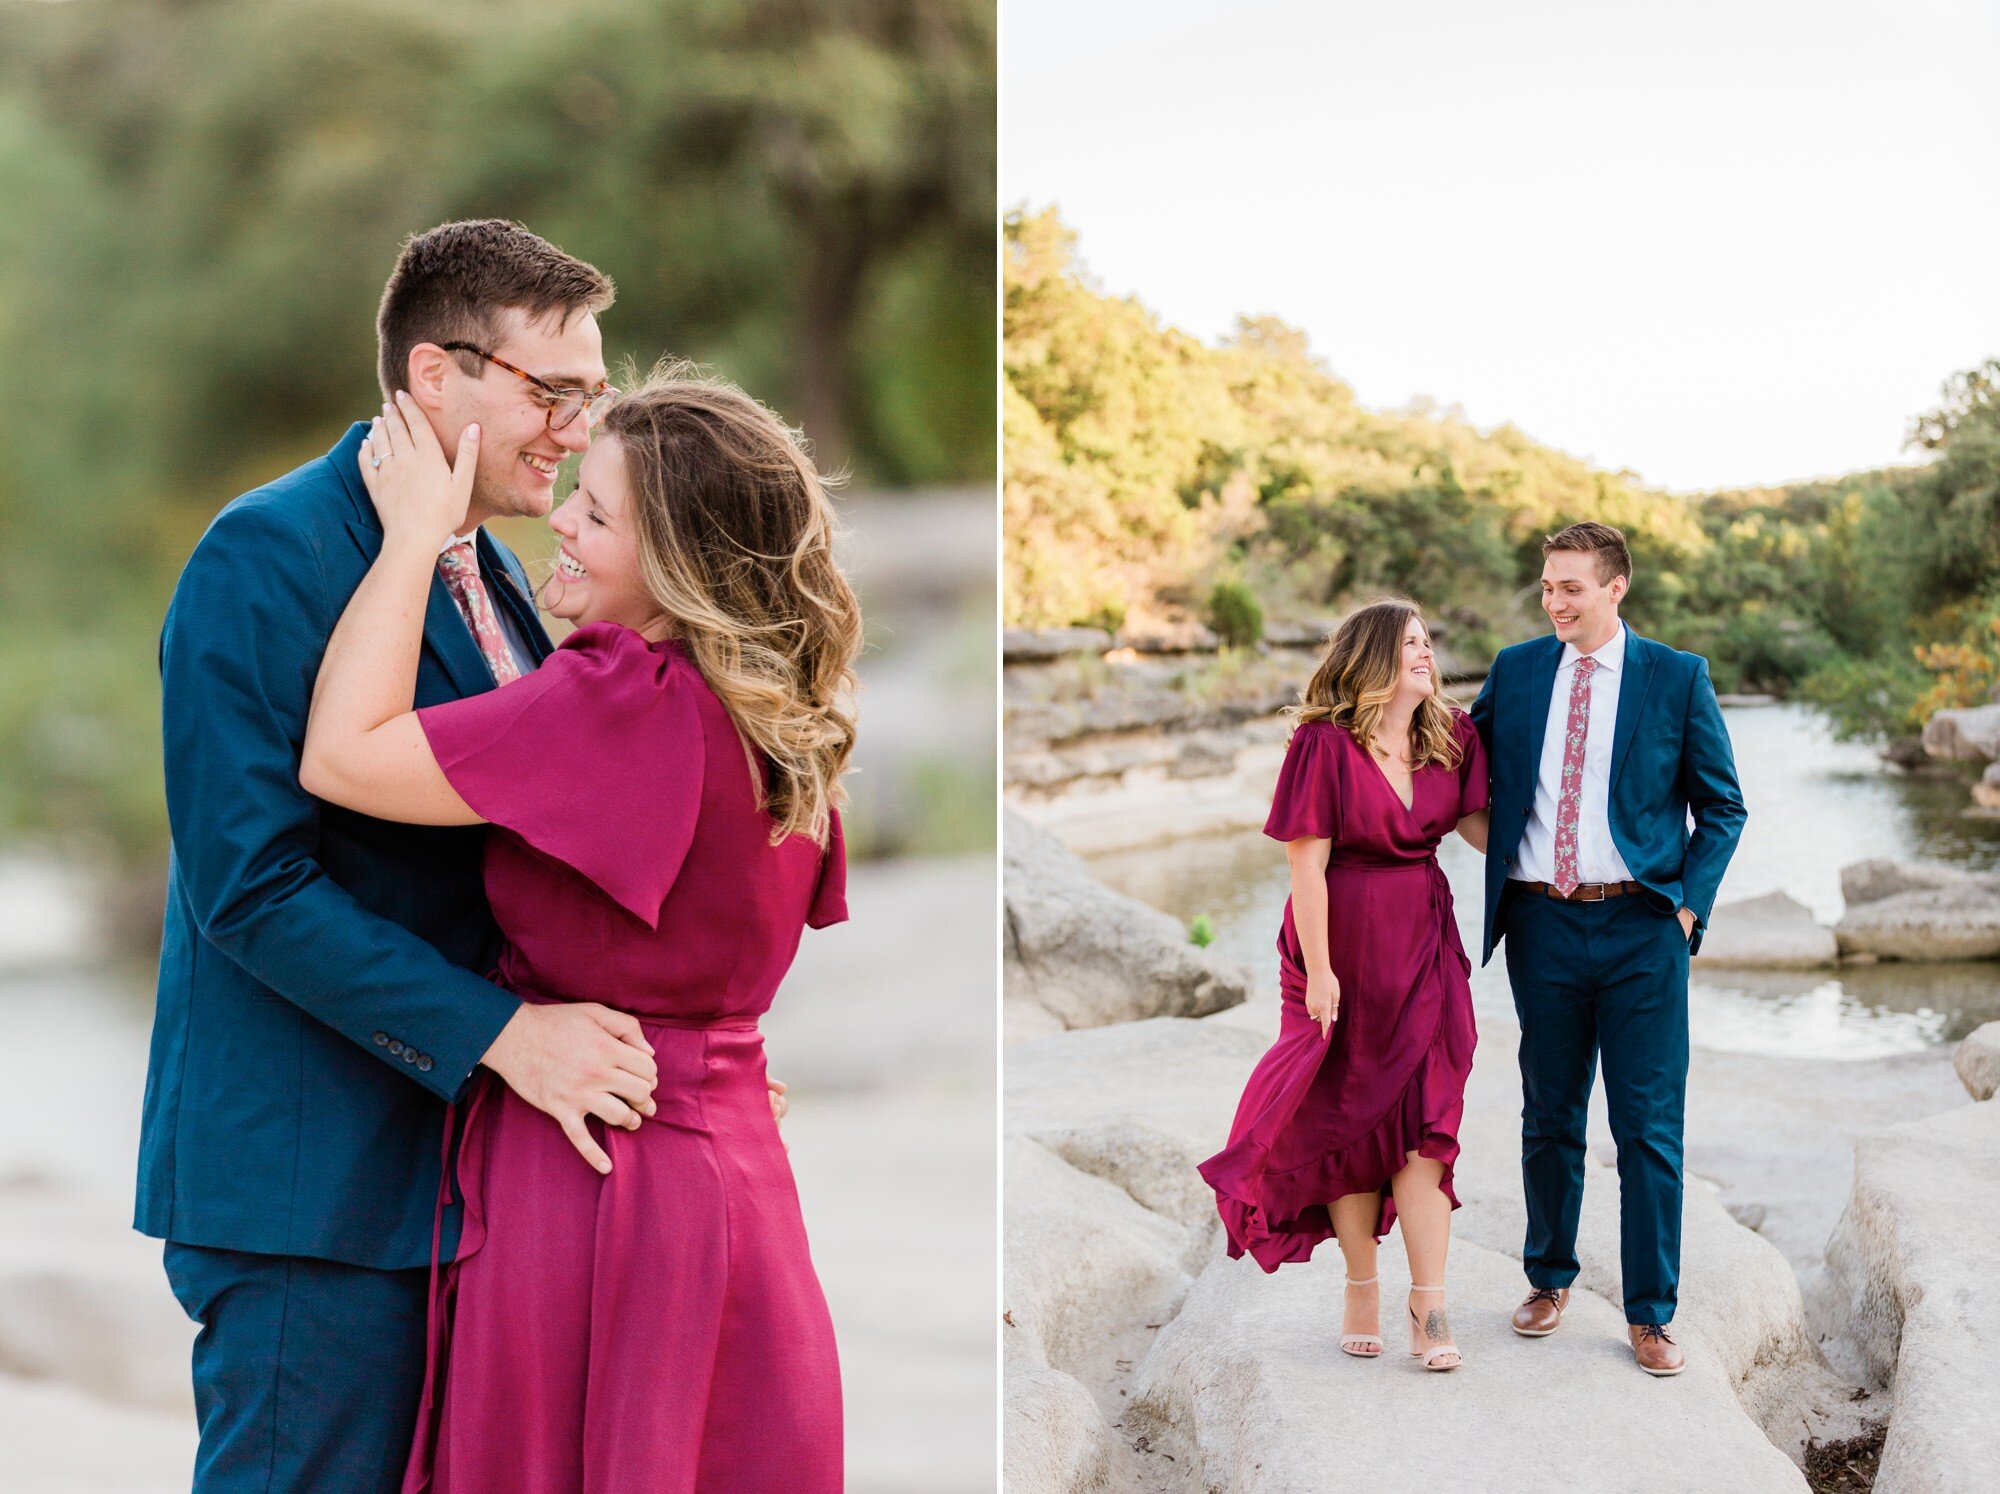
(1145, 469)
(1235, 614)
(205, 197)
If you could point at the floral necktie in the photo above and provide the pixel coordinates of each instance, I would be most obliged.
(1572, 775)
(461, 578)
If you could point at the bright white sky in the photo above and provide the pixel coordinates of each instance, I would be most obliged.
(1720, 244)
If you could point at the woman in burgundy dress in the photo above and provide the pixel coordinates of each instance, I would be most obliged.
(663, 791)
(1351, 1119)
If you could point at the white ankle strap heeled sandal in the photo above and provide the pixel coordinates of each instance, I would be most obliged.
(1443, 1356)
(1362, 1345)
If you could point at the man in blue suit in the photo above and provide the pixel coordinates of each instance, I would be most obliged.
(321, 996)
(1602, 746)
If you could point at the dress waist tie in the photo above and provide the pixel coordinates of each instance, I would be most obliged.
(461, 1124)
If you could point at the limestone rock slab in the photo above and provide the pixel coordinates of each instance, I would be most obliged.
(1026, 645)
(1247, 1383)
(1917, 1255)
(1138, 1104)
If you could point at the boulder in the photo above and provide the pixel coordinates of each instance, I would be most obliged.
(1773, 932)
(1087, 955)
(1873, 880)
(1917, 1259)
(1973, 733)
(1057, 1441)
(1107, 1223)
(1959, 921)
(1977, 1061)
(1089, 1273)
(1905, 752)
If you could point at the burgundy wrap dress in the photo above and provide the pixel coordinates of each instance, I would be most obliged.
(1324, 1118)
(660, 1328)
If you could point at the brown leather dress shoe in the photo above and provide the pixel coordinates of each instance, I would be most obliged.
(1542, 1313)
(1655, 1349)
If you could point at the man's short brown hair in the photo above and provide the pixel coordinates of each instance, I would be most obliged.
(1593, 538)
(451, 284)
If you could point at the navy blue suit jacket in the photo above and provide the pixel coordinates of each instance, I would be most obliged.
(1670, 757)
(321, 994)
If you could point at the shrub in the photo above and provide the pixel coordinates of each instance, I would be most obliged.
(1235, 614)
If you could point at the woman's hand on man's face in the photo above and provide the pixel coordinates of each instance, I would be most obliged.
(416, 492)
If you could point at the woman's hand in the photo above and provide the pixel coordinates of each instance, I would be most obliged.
(416, 492)
(1323, 1001)
(779, 1105)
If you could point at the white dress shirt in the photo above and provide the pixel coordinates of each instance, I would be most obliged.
(516, 644)
(1597, 859)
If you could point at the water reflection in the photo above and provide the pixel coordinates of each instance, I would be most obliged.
(1815, 806)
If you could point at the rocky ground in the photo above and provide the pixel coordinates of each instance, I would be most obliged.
(1138, 1357)
(885, 1031)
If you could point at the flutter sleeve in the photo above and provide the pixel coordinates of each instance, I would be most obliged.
(1306, 803)
(594, 759)
(829, 904)
(1475, 784)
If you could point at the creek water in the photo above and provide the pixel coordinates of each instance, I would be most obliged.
(1815, 804)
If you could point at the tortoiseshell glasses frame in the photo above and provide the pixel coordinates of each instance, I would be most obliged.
(563, 405)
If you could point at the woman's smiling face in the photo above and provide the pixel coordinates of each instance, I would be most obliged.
(1419, 668)
(596, 576)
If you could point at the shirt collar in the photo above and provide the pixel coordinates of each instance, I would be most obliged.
(1611, 656)
(472, 539)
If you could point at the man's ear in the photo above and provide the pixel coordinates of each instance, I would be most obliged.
(427, 367)
(1619, 586)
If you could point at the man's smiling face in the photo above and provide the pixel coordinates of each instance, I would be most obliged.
(1583, 607)
(518, 453)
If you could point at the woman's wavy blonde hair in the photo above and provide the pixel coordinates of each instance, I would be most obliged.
(736, 535)
(1357, 677)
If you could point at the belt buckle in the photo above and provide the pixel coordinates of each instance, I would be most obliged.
(1588, 892)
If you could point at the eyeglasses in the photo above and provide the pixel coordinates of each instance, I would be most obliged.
(562, 405)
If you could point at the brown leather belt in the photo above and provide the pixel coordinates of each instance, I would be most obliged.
(1586, 892)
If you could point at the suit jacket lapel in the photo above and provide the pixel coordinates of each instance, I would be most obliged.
(446, 635)
(1540, 685)
(1638, 678)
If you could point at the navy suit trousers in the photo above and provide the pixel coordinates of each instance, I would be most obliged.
(307, 1373)
(1605, 979)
